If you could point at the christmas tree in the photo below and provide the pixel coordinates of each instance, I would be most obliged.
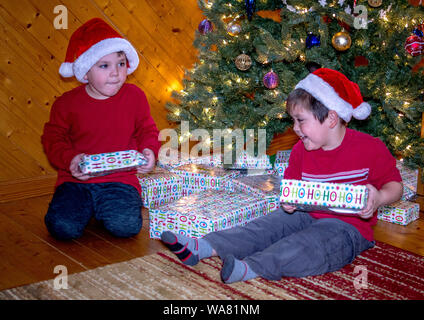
(250, 60)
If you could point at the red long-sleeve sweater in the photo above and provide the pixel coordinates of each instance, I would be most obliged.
(81, 124)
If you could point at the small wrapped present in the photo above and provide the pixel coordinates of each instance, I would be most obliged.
(160, 187)
(247, 161)
(201, 213)
(324, 196)
(281, 162)
(400, 212)
(111, 162)
(408, 194)
(265, 186)
(196, 178)
(409, 176)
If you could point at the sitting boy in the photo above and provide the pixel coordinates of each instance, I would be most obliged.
(104, 114)
(291, 243)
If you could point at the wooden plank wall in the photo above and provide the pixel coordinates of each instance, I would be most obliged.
(32, 49)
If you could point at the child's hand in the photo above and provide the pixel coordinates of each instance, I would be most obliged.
(373, 202)
(389, 193)
(288, 208)
(150, 156)
(75, 169)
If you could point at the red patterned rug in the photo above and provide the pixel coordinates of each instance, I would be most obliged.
(381, 273)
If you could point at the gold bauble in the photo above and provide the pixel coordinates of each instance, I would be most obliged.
(341, 41)
(243, 62)
(375, 3)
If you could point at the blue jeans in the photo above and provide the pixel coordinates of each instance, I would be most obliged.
(117, 205)
(291, 245)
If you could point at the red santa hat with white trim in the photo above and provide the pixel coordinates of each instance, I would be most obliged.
(336, 92)
(90, 42)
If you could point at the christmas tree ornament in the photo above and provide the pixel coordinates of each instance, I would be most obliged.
(271, 80)
(419, 30)
(243, 62)
(375, 3)
(341, 41)
(414, 45)
(250, 8)
(361, 61)
(312, 41)
(233, 29)
(205, 26)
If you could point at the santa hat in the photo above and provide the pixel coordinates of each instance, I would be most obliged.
(90, 42)
(336, 92)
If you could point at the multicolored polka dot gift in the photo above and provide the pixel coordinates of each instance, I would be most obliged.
(400, 212)
(333, 197)
(111, 162)
(198, 177)
(201, 213)
(159, 187)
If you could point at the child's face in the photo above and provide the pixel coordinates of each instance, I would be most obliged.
(314, 134)
(107, 76)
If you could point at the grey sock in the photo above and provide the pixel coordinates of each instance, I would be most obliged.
(234, 270)
(188, 250)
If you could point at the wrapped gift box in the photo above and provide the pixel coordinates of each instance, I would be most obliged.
(246, 161)
(160, 187)
(196, 178)
(409, 176)
(400, 212)
(265, 186)
(176, 158)
(281, 162)
(172, 159)
(212, 160)
(333, 197)
(255, 172)
(201, 213)
(110, 162)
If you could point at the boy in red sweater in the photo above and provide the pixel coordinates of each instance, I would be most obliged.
(105, 114)
(292, 243)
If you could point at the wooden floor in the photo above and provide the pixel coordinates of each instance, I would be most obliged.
(29, 254)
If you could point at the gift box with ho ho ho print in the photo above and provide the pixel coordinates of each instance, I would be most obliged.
(333, 197)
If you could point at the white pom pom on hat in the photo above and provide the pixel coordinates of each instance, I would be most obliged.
(90, 42)
(336, 92)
